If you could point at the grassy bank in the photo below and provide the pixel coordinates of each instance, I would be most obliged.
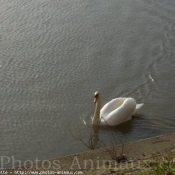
(152, 164)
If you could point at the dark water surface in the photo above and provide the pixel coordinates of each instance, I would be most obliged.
(55, 54)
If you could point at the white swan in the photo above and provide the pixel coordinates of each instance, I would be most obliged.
(114, 112)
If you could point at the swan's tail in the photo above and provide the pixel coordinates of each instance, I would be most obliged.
(138, 107)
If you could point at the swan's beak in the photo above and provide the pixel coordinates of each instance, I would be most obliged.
(95, 99)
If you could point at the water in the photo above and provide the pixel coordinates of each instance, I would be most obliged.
(55, 54)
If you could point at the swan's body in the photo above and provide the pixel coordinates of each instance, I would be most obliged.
(114, 112)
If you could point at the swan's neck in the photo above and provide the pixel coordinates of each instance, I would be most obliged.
(96, 118)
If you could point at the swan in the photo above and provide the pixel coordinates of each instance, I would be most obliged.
(114, 112)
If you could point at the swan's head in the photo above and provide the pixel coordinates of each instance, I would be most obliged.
(96, 96)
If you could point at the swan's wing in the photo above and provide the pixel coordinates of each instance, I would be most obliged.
(122, 113)
(111, 106)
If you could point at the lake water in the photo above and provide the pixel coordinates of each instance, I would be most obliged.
(55, 54)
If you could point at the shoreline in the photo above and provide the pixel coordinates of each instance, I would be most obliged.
(96, 160)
